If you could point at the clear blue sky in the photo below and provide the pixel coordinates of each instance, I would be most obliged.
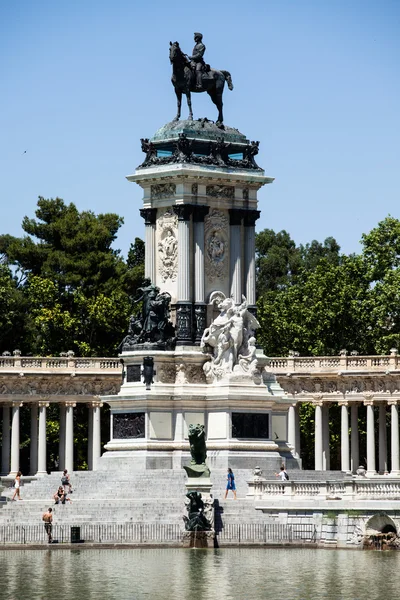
(316, 81)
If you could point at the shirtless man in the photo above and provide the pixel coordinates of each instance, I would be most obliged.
(47, 517)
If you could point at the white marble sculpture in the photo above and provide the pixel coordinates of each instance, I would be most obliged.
(230, 341)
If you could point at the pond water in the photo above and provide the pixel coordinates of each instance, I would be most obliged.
(227, 573)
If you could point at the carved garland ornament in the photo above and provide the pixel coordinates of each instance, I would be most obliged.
(216, 244)
(168, 246)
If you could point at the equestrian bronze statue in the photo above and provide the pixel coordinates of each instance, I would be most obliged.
(192, 74)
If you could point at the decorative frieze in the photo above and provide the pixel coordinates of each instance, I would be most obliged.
(162, 190)
(128, 425)
(220, 191)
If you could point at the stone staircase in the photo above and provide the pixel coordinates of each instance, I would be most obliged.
(153, 496)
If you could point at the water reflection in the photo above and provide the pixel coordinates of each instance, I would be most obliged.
(232, 573)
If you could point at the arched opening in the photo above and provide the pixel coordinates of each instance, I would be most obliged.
(388, 529)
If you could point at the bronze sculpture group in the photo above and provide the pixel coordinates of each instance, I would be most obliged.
(192, 74)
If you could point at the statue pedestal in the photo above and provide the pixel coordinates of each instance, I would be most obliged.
(199, 484)
(198, 539)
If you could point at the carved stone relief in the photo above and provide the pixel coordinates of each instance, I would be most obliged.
(162, 190)
(216, 244)
(168, 245)
(220, 191)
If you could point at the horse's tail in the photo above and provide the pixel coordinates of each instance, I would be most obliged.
(228, 78)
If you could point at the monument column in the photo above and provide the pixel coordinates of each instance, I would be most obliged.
(33, 462)
(235, 253)
(318, 436)
(69, 436)
(394, 430)
(96, 435)
(383, 466)
(5, 447)
(90, 437)
(200, 307)
(344, 437)
(297, 429)
(15, 437)
(149, 215)
(42, 466)
(184, 319)
(371, 470)
(250, 218)
(355, 452)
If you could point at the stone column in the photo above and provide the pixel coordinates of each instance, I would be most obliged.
(42, 441)
(326, 451)
(5, 447)
(96, 435)
(33, 466)
(235, 253)
(90, 437)
(292, 428)
(149, 215)
(355, 452)
(15, 437)
(69, 436)
(394, 430)
(383, 466)
(297, 428)
(318, 436)
(184, 318)
(61, 443)
(200, 307)
(250, 218)
(344, 437)
(371, 470)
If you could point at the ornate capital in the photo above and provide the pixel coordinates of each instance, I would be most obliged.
(343, 403)
(393, 402)
(183, 211)
(317, 399)
(250, 217)
(43, 404)
(95, 403)
(199, 213)
(16, 404)
(236, 216)
(368, 399)
(149, 215)
(69, 404)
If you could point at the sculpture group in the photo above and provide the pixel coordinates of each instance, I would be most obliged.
(230, 341)
(192, 74)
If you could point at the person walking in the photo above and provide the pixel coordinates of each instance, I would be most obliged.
(17, 485)
(231, 483)
(283, 476)
(47, 517)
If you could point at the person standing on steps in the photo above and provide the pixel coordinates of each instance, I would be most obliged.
(283, 476)
(231, 483)
(47, 517)
(17, 484)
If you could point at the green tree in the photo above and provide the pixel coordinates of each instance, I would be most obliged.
(12, 311)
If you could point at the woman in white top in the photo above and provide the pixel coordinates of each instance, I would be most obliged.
(17, 486)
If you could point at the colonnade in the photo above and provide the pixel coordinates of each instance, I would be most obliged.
(349, 445)
(10, 450)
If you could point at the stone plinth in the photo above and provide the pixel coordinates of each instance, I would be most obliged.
(198, 539)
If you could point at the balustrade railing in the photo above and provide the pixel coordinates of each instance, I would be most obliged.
(34, 363)
(355, 489)
(301, 364)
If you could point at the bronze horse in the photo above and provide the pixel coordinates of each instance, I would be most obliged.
(184, 81)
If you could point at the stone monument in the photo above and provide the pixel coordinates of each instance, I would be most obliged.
(190, 356)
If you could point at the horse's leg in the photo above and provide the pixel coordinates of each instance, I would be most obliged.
(189, 103)
(216, 97)
(179, 103)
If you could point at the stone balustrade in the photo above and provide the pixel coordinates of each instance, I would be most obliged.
(68, 364)
(383, 488)
(331, 364)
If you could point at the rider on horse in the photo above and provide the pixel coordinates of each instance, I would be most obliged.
(197, 62)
